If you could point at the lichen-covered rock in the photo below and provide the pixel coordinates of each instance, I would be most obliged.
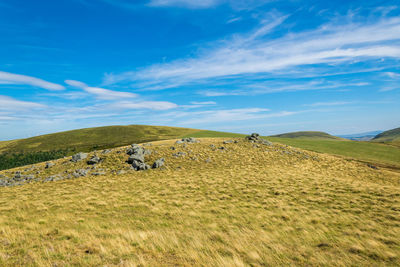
(79, 156)
(139, 166)
(136, 157)
(158, 163)
(94, 160)
(80, 172)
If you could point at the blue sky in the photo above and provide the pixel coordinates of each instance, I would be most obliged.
(231, 65)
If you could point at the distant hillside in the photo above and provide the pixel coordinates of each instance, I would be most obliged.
(308, 135)
(361, 136)
(57, 145)
(388, 136)
(94, 138)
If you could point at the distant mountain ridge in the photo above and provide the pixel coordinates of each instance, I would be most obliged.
(366, 136)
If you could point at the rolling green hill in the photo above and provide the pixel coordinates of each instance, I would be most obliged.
(21, 152)
(388, 136)
(382, 155)
(308, 135)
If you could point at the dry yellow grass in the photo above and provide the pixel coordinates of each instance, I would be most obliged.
(245, 206)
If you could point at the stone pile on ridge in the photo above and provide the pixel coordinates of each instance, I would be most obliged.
(255, 138)
(137, 158)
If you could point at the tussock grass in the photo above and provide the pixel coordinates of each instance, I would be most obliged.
(241, 206)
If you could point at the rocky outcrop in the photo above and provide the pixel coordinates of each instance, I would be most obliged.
(255, 138)
(187, 140)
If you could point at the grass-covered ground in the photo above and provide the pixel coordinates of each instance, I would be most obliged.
(383, 155)
(311, 135)
(241, 206)
(47, 147)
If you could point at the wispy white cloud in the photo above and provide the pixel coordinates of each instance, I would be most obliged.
(254, 54)
(231, 115)
(185, 3)
(11, 78)
(393, 75)
(203, 103)
(10, 104)
(101, 93)
(153, 105)
(324, 104)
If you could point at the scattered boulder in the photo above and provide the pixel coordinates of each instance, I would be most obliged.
(158, 163)
(136, 157)
(78, 157)
(106, 151)
(80, 172)
(228, 142)
(53, 178)
(135, 149)
(187, 140)
(94, 160)
(255, 138)
(172, 148)
(49, 165)
(121, 172)
(139, 166)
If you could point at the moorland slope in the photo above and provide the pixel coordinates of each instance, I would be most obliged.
(213, 203)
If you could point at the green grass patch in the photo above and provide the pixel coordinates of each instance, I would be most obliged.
(382, 154)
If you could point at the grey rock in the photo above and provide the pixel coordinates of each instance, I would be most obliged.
(49, 165)
(139, 166)
(136, 157)
(135, 149)
(106, 151)
(172, 148)
(94, 160)
(80, 172)
(158, 163)
(79, 156)
(228, 142)
(255, 138)
(52, 178)
(187, 140)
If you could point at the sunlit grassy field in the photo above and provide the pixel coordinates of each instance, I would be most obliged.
(384, 155)
(240, 206)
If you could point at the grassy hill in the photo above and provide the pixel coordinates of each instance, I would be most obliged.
(52, 146)
(310, 135)
(382, 155)
(244, 205)
(388, 136)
